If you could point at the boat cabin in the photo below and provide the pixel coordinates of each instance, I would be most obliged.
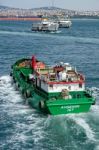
(56, 78)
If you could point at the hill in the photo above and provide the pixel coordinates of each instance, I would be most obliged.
(10, 11)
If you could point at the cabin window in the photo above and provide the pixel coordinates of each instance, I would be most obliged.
(51, 85)
(80, 85)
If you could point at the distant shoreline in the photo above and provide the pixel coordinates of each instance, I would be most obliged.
(85, 17)
(35, 18)
(21, 18)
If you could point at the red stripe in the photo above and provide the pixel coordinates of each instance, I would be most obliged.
(66, 82)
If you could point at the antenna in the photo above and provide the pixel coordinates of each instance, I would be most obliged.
(53, 2)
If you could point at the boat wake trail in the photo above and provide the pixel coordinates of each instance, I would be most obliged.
(24, 33)
(75, 39)
(7, 91)
(24, 127)
(87, 122)
(77, 129)
(84, 125)
(28, 33)
(19, 124)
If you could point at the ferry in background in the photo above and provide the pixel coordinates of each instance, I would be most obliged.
(64, 22)
(45, 25)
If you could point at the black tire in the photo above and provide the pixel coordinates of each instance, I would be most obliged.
(12, 67)
(24, 94)
(14, 80)
(94, 103)
(17, 85)
(41, 104)
(21, 89)
(28, 93)
(11, 74)
(25, 97)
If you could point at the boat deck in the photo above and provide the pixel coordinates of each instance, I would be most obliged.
(26, 71)
(52, 74)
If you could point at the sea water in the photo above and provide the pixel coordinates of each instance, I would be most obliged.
(24, 128)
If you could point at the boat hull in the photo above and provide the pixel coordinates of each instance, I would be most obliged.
(65, 24)
(67, 109)
(47, 28)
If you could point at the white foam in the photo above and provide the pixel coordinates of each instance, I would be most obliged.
(97, 148)
(35, 124)
(95, 108)
(81, 119)
(28, 124)
(95, 90)
(5, 79)
(95, 111)
(7, 90)
(16, 33)
(30, 129)
(82, 123)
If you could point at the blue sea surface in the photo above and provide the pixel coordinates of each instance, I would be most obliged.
(24, 128)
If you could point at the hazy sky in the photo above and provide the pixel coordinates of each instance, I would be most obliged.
(68, 4)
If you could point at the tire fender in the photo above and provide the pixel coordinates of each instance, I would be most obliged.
(11, 74)
(16, 85)
(28, 93)
(41, 104)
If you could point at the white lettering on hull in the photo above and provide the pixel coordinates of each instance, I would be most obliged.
(70, 108)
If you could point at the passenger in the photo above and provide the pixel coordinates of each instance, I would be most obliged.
(64, 75)
(60, 76)
(57, 75)
(31, 77)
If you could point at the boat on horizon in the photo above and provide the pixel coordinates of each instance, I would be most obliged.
(57, 89)
(65, 23)
(62, 20)
(45, 25)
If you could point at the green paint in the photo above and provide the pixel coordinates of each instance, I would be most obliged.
(52, 103)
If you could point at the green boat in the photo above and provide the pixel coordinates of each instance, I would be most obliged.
(57, 89)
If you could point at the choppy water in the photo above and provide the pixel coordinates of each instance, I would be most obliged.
(22, 127)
